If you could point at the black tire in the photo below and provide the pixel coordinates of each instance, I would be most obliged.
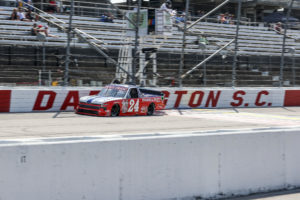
(115, 110)
(151, 109)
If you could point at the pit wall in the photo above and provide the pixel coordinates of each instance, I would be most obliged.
(66, 99)
(161, 167)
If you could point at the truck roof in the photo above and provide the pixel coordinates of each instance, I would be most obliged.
(123, 85)
(142, 90)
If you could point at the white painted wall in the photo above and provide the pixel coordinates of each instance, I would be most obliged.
(273, 98)
(25, 99)
(150, 167)
(35, 99)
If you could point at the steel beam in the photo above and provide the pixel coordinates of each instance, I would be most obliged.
(207, 59)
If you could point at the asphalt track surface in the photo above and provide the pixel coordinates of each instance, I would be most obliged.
(67, 124)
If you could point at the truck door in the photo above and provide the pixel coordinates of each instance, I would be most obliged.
(133, 101)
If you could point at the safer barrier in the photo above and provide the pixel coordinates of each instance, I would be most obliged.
(145, 167)
(66, 99)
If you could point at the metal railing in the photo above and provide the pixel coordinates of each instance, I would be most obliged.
(218, 68)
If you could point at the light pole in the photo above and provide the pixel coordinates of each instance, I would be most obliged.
(135, 50)
(236, 44)
(283, 44)
(187, 4)
(292, 51)
(42, 38)
(67, 63)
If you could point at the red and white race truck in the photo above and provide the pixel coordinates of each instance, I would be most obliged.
(121, 100)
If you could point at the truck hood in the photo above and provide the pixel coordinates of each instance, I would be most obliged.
(97, 99)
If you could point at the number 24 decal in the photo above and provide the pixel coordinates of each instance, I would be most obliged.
(134, 105)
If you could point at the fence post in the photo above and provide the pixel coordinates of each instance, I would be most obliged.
(66, 75)
(283, 44)
(293, 51)
(49, 78)
(44, 56)
(183, 42)
(136, 41)
(204, 71)
(236, 44)
(40, 77)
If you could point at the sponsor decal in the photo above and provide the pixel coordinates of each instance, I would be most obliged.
(147, 100)
(153, 99)
(124, 106)
(144, 109)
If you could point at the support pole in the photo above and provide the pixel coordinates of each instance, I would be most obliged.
(142, 69)
(49, 78)
(187, 4)
(44, 57)
(66, 75)
(207, 59)
(154, 62)
(294, 70)
(236, 44)
(44, 64)
(283, 44)
(135, 51)
(204, 72)
(40, 77)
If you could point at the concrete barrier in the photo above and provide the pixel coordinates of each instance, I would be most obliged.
(150, 167)
(66, 99)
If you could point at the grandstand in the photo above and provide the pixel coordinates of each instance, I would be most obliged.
(259, 52)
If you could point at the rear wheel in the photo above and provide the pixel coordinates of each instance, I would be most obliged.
(115, 110)
(151, 109)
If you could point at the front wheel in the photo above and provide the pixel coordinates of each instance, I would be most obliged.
(115, 110)
(151, 109)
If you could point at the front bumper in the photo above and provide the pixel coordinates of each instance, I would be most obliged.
(91, 109)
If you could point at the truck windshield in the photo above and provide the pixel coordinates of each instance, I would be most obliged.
(113, 92)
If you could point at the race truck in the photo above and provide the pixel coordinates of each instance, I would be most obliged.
(121, 100)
